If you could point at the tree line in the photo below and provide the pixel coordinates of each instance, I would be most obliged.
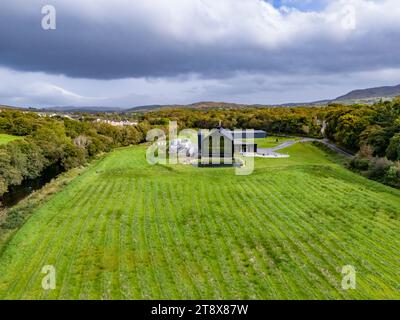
(370, 131)
(374, 133)
(61, 140)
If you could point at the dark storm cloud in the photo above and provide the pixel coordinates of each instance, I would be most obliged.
(122, 39)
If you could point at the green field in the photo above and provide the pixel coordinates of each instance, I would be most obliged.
(6, 138)
(272, 141)
(127, 230)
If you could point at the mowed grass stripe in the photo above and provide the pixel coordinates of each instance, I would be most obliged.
(225, 218)
(109, 262)
(328, 256)
(125, 256)
(181, 232)
(258, 261)
(204, 245)
(328, 243)
(51, 254)
(260, 230)
(263, 245)
(41, 243)
(142, 261)
(290, 232)
(330, 262)
(152, 286)
(283, 248)
(190, 276)
(74, 266)
(226, 241)
(195, 241)
(254, 263)
(222, 240)
(234, 237)
(170, 285)
(327, 223)
(40, 225)
(215, 252)
(133, 262)
(355, 223)
(89, 266)
(369, 202)
(92, 262)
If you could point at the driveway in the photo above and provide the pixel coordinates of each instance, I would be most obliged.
(330, 145)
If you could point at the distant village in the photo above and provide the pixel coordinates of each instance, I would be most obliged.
(118, 123)
(74, 116)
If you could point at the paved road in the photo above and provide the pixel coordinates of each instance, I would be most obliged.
(286, 144)
(331, 146)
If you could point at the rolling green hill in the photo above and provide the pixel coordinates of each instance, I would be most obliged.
(125, 229)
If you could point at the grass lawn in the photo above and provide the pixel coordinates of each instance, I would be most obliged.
(272, 141)
(6, 138)
(125, 229)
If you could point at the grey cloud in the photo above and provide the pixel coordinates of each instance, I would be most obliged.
(42, 90)
(135, 40)
(126, 53)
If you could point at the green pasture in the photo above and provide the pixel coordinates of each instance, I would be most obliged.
(127, 230)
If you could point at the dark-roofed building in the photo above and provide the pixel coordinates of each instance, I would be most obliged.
(218, 146)
(258, 134)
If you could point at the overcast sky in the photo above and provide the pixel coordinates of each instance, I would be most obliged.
(126, 53)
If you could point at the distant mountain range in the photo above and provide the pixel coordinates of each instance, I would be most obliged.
(372, 93)
(88, 109)
(367, 96)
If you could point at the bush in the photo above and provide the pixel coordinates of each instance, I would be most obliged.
(3, 186)
(366, 151)
(392, 176)
(360, 163)
(393, 151)
(14, 220)
(378, 168)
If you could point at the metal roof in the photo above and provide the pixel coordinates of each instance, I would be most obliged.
(229, 134)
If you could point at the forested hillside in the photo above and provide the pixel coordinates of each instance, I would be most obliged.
(60, 140)
(371, 131)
